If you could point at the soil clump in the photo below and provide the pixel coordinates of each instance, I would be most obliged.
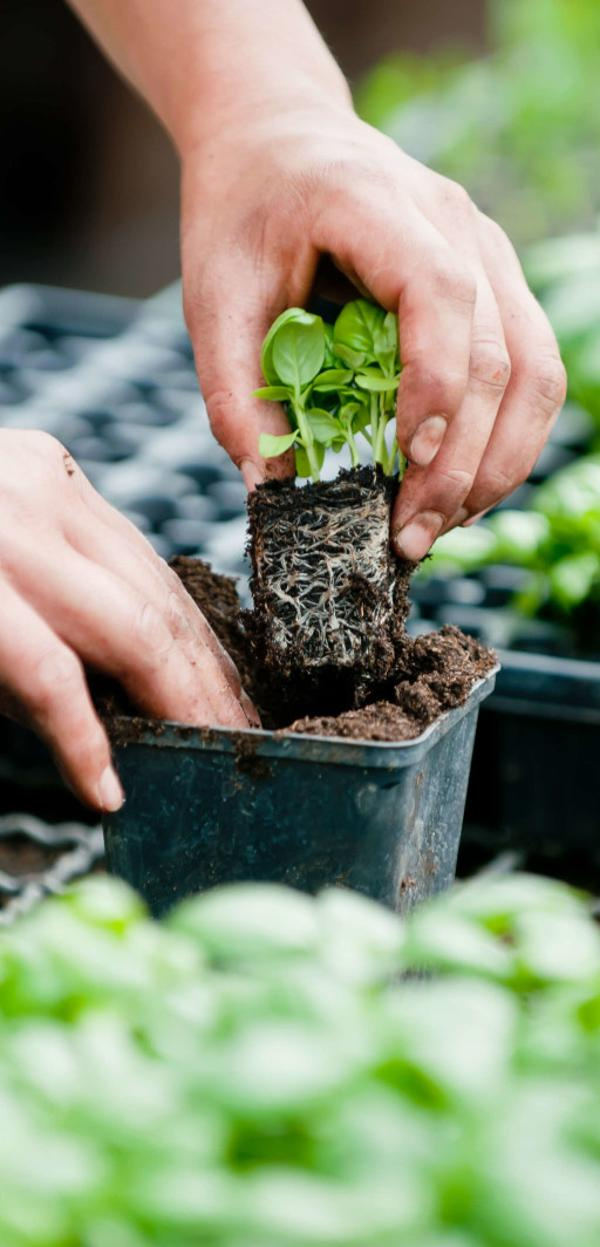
(430, 674)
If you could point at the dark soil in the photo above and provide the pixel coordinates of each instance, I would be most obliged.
(329, 595)
(325, 650)
(432, 673)
(441, 669)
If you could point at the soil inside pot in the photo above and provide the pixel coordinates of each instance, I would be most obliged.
(432, 673)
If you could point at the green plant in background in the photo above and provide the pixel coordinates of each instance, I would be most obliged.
(557, 541)
(519, 127)
(252, 1074)
(336, 382)
(565, 273)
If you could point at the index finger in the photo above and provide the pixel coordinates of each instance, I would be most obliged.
(227, 337)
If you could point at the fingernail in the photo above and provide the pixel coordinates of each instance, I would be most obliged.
(427, 440)
(110, 793)
(415, 538)
(252, 474)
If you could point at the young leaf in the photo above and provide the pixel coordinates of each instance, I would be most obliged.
(354, 359)
(386, 344)
(298, 351)
(275, 393)
(373, 381)
(324, 426)
(291, 315)
(331, 380)
(270, 445)
(357, 328)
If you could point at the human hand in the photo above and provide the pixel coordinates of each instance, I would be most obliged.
(269, 192)
(79, 584)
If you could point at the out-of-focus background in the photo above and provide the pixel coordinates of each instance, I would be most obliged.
(90, 184)
(502, 94)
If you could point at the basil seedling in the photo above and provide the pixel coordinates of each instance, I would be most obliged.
(336, 382)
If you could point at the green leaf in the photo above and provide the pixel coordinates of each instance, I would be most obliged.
(324, 426)
(375, 382)
(274, 393)
(332, 379)
(290, 316)
(358, 329)
(270, 445)
(354, 359)
(298, 350)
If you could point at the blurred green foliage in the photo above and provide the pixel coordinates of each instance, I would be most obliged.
(557, 540)
(565, 273)
(519, 127)
(251, 1073)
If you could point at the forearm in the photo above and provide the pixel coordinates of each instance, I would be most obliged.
(194, 61)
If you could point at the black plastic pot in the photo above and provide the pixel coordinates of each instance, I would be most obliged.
(205, 807)
(534, 784)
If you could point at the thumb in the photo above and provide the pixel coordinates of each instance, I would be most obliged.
(227, 336)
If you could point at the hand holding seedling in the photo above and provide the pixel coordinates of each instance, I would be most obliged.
(278, 171)
(79, 584)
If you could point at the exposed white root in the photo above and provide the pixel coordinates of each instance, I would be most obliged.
(316, 569)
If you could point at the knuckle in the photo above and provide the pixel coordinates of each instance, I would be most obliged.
(490, 365)
(550, 382)
(455, 479)
(455, 195)
(151, 634)
(435, 389)
(451, 281)
(495, 234)
(57, 675)
(91, 752)
(449, 489)
(495, 483)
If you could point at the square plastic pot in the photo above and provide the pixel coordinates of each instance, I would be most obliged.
(205, 807)
(534, 785)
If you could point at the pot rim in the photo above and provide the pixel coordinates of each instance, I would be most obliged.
(299, 745)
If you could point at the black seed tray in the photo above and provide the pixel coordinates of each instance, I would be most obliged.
(39, 859)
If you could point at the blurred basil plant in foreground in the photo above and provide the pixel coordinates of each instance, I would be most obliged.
(519, 125)
(253, 1072)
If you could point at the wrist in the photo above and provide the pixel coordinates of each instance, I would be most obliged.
(258, 107)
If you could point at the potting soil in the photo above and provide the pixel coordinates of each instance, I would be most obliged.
(433, 673)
